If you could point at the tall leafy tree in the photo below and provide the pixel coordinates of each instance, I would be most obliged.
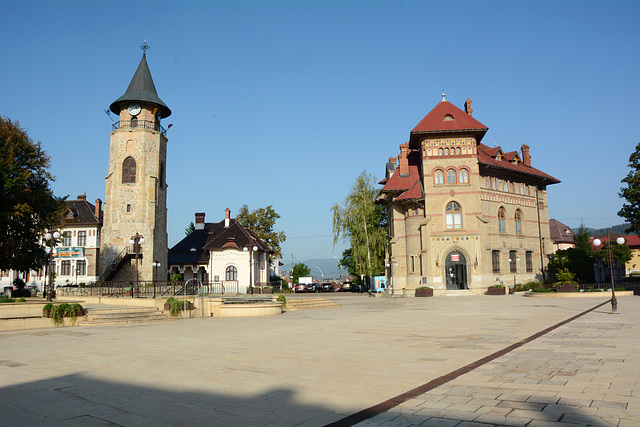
(27, 204)
(262, 221)
(362, 222)
(631, 193)
(299, 270)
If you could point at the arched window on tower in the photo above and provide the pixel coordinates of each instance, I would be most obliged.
(518, 219)
(134, 122)
(129, 171)
(451, 176)
(502, 227)
(464, 176)
(438, 177)
(453, 216)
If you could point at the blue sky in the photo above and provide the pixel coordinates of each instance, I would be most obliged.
(284, 103)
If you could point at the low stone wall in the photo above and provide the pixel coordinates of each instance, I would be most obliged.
(605, 294)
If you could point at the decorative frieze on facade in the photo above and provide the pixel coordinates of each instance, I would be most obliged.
(448, 146)
(490, 196)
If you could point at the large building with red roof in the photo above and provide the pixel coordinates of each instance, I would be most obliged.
(463, 215)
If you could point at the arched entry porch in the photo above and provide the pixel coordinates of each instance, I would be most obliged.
(456, 270)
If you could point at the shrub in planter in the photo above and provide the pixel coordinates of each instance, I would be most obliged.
(46, 310)
(496, 290)
(282, 299)
(57, 314)
(424, 291)
(72, 311)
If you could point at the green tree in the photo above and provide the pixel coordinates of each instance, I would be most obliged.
(631, 193)
(190, 229)
(262, 221)
(27, 204)
(299, 270)
(362, 222)
(581, 238)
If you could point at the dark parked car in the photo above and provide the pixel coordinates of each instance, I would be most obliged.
(311, 287)
(356, 288)
(300, 287)
(326, 287)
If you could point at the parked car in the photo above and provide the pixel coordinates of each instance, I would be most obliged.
(356, 288)
(300, 287)
(311, 287)
(326, 287)
(346, 286)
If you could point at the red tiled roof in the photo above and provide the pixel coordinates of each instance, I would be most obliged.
(402, 183)
(434, 121)
(415, 192)
(558, 232)
(484, 158)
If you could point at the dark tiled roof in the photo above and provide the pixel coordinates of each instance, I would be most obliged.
(214, 237)
(558, 232)
(141, 89)
(83, 213)
(485, 157)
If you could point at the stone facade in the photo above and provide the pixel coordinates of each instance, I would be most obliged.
(463, 216)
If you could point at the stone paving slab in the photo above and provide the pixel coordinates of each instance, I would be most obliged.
(316, 367)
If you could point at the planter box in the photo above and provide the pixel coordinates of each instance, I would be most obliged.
(267, 290)
(46, 313)
(567, 287)
(428, 292)
(497, 291)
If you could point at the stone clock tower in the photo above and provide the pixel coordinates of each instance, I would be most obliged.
(136, 191)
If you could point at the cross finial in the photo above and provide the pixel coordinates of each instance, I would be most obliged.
(144, 47)
(443, 95)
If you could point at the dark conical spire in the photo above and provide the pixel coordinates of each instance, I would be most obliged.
(141, 89)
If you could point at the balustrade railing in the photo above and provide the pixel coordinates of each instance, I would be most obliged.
(139, 124)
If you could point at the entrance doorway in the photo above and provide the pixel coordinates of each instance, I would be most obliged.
(456, 271)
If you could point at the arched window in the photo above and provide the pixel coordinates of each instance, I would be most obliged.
(464, 176)
(134, 122)
(231, 273)
(438, 177)
(453, 216)
(458, 150)
(446, 151)
(129, 171)
(518, 219)
(502, 226)
(440, 151)
(451, 176)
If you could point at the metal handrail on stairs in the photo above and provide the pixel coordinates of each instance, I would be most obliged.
(116, 264)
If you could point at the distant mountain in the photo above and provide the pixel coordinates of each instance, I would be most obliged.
(329, 267)
(615, 229)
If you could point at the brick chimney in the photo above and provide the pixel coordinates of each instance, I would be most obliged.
(199, 225)
(82, 196)
(526, 157)
(98, 208)
(404, 159)
(467, 107)
(227, 218)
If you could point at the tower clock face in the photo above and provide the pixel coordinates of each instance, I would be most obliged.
(134, 109)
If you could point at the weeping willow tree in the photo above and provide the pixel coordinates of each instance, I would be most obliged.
(363, 224)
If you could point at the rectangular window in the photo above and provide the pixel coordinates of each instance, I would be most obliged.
(82, 238)
(495, 261)
(128, 207)
(413, 264)
(529, 257)
(81, 267)
(65, 268)
(513, 261)
(66, 238)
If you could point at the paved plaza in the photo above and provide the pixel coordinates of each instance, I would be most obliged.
(369, 362)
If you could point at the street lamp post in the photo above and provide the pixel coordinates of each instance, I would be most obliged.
(136, 241)
(514, 269)
(320, 272)
(620, 240)
(155, 264)
(390, 281)
(51, 238)
(339, 265)
(245, 249)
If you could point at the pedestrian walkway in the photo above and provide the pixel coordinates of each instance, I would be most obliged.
(317, 367)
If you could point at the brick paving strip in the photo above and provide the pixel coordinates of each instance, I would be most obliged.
(385, 406)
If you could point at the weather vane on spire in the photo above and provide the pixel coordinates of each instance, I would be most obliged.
(144, 47)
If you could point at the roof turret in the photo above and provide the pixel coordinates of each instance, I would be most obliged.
(141, 89)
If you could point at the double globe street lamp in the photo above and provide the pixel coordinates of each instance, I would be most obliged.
(136, 241)
(620, 241)
(51, 238)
